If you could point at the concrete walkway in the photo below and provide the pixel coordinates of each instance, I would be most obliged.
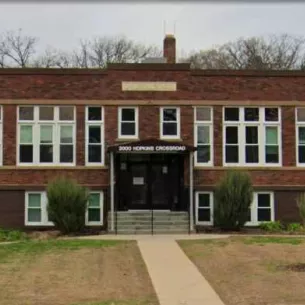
(175, 278)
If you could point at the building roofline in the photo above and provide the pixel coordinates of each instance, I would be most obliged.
(52, 71)
(255, 73)
(151, 67)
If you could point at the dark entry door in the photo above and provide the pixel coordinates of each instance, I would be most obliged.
(139, 187)
(160, 186)
(148, 182)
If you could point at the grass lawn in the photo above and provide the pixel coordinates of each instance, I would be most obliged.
(252, 270)
(74, 272)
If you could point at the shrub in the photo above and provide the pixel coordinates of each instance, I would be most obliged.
(271, 226)
(67, 204)
(295, 227)
(233, 197)
(301, 205)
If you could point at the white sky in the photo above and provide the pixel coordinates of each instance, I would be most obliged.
(198, 25)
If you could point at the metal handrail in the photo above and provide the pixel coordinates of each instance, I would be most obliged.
(189, 212)
(116, 218)
(152, 218)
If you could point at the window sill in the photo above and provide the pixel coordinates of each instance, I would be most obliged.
(127, 139)
(55, 167)
(171, 139)
(94, 224)
(38, 224)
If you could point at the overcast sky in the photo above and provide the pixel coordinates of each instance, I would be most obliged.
(198, 25)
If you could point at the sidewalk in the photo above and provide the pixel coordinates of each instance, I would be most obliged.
(175, 278)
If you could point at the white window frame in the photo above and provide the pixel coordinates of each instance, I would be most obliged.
(44, 213)
(136, 122)
(1, 135)
(211, 208)
(297, 125)
(208, 124)
(254, 208)
(178, 122)
(101, 124)
(56, 123)
(261, 124)
(96, 223)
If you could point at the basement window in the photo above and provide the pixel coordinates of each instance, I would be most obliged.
(204, 208)
(94, 215)
(36, 213)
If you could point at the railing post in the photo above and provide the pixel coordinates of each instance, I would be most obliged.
(112, 191)
(191, 209)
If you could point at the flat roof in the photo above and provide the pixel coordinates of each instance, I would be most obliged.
(151, 67)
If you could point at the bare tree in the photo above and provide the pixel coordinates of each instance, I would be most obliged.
(16, 49)
(275, 52)
(102, 50)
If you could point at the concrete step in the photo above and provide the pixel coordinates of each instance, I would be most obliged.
(146, 231)
(156, 222)
(140, 222)
(148, 214)
(149, 225)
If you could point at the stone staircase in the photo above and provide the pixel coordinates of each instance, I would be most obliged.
(140, 222)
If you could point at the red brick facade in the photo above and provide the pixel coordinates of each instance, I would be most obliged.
(215, 88)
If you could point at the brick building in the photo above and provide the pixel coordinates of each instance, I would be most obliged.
(150, 136)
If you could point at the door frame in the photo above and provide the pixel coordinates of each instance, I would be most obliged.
(125, 206)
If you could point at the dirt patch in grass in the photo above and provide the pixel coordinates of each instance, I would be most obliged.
(252, 270)
(74, 272)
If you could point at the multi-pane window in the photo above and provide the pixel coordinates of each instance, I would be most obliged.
(128, 122)
(94, 135)
(36, 209)
(94, 214)
(262, 208)
(36, 213)
(300, 135)
(169, 122)
(252, 136)
(203, 128)
(204, 208)
(46, 135)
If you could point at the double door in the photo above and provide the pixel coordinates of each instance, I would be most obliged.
(149, 185)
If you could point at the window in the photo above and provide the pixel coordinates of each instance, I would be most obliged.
(36, 213)
(203, 135)
(170, 123)
(252, 136)
(46, 135)
(262, 208)
(204, 208)
(128, 122)
(36, 209)
(94, 215)
(300, 136)
(94, 136)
